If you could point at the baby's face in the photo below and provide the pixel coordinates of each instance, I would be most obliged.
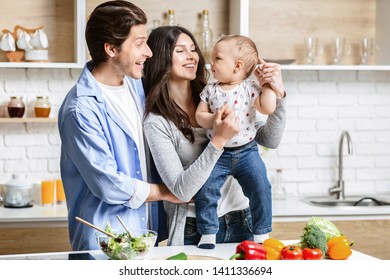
(223, 61)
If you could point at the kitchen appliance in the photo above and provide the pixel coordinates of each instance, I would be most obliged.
(17, 192)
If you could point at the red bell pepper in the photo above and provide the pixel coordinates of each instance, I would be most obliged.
(249, 250)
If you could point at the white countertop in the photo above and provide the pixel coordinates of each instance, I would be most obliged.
(291, 209)
(222, 251)
(294, 209)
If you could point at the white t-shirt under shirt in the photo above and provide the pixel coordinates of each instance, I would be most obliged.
(122, 103)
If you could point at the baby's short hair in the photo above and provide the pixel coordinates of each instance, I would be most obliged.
(245, 50)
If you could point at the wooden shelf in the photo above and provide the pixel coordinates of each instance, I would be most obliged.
(56, 65)
(65, 23)
(28, 120)
(336, 67)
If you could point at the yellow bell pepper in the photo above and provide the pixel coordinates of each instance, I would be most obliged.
(274, 248)
(339, 248)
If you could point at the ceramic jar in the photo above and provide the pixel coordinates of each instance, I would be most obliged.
(16, 107)
(42, 107)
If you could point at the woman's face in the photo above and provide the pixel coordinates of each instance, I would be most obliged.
(184, 59)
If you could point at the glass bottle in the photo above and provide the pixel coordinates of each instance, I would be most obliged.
(171, 18)
(207, 37)
(16, 107)
(155, 24)
(42, 107)
(278, 189)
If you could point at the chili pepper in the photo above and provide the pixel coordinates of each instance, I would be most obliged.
(273, 248)
(339, 248)
(249, 250)
(178, 257)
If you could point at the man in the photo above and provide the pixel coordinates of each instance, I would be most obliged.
(104, 161)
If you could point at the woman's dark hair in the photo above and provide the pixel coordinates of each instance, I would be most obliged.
(110, 22)
(157, 70)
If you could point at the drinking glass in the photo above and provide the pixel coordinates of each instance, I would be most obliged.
(365, 50)
(311, 48)
(48, 191)
(338, 45)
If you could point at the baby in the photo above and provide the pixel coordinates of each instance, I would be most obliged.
(234, 58)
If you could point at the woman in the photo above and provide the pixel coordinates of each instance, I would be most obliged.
(184, 157)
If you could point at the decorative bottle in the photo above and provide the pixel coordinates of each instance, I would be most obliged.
(171, 21)
(16, 107)
(207, 37)
(278, 189)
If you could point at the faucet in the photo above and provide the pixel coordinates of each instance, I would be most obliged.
(339, 188)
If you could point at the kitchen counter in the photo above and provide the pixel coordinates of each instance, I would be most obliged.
(222, 251)
(292, 209)
(38, 215)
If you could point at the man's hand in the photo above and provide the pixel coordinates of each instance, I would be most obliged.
(160, 192)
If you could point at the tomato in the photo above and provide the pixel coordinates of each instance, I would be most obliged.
(292, 252)
(312, 254)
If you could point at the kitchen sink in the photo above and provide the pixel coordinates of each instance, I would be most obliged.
(354, 201)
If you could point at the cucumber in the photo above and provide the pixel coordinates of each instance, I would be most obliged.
(178, 257)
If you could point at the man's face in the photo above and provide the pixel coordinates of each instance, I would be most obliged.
(133, 53)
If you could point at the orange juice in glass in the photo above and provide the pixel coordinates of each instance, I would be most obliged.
(47, 187)
(60, 194)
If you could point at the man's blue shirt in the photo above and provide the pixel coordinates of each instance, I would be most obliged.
(100, 166)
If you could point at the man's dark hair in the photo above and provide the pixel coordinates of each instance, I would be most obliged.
(110, 22)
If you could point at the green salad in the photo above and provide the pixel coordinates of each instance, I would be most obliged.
(124, 247)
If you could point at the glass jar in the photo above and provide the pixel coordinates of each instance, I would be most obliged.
(42, 107)
(16, 107)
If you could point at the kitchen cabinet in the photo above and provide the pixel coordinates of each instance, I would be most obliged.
(25, 240)
(34, 230)
(62, 20)
(278, 27)
(371, 237)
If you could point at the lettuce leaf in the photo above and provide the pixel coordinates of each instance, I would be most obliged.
(326, 226)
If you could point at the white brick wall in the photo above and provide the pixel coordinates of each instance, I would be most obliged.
(321, 104)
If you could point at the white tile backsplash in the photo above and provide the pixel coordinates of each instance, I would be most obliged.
(321, 104)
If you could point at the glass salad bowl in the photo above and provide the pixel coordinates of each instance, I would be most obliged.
(125, 247)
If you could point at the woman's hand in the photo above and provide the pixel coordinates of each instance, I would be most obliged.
(225, 126)
(270, 73)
